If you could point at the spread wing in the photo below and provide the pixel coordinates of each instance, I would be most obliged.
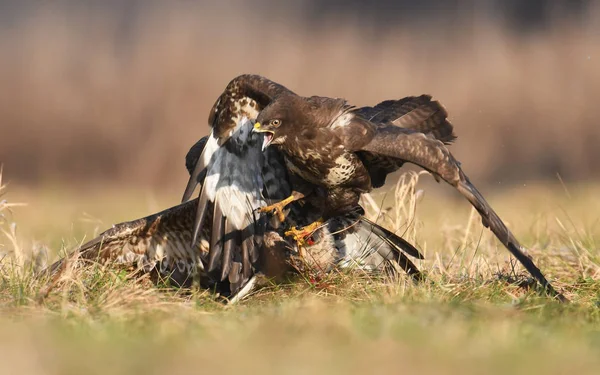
(418, 113)
(244, 97)
(159, 244)
(431, 154)
(227, 240)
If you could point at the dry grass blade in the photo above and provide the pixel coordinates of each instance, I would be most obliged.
(13, 254)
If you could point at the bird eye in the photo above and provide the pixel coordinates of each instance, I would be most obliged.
(276, 123)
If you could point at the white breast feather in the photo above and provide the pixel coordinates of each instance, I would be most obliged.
(342, 172)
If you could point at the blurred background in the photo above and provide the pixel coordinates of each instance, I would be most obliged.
(114, 92)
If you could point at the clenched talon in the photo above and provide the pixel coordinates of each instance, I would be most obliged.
(276, 209)
(302, 234)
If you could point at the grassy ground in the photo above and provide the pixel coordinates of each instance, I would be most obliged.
(465, 319)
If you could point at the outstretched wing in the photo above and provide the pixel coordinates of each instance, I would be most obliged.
(418, 113)
(432, 155)
(168, 242)
(244, 97)
(159, 243)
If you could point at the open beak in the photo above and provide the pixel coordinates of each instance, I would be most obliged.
(268, 135)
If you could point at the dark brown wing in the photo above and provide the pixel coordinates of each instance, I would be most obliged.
(245, 96)
(432, 155)
(418, 113)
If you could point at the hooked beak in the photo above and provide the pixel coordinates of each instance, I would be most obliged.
(268, 135)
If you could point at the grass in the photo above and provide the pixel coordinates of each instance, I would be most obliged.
(464, 319)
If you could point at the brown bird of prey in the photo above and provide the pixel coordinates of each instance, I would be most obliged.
(344, 151)
(161, 244)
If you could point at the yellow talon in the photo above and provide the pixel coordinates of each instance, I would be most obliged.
(278, 207)
(300, 235)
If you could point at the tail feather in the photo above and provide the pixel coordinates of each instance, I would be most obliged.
(394, 240)
(409, 267)
(366, 243)
(401, 247)
(201, 210)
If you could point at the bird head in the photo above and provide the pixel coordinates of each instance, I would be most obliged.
(277, 120)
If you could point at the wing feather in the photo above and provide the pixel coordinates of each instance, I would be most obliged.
(199, 170)
(228, 249)
(360, 244)
(216, 241)
(157, 243)
(244, 97)
(393, 239)
(418, 113)
(433, 156)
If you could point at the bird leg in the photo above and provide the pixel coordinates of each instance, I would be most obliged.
(300, 234)
(277, 208)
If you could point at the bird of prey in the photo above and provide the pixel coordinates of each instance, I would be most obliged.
(161, 244)
(340, 151)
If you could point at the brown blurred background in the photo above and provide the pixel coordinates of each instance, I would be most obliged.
(116, 91)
